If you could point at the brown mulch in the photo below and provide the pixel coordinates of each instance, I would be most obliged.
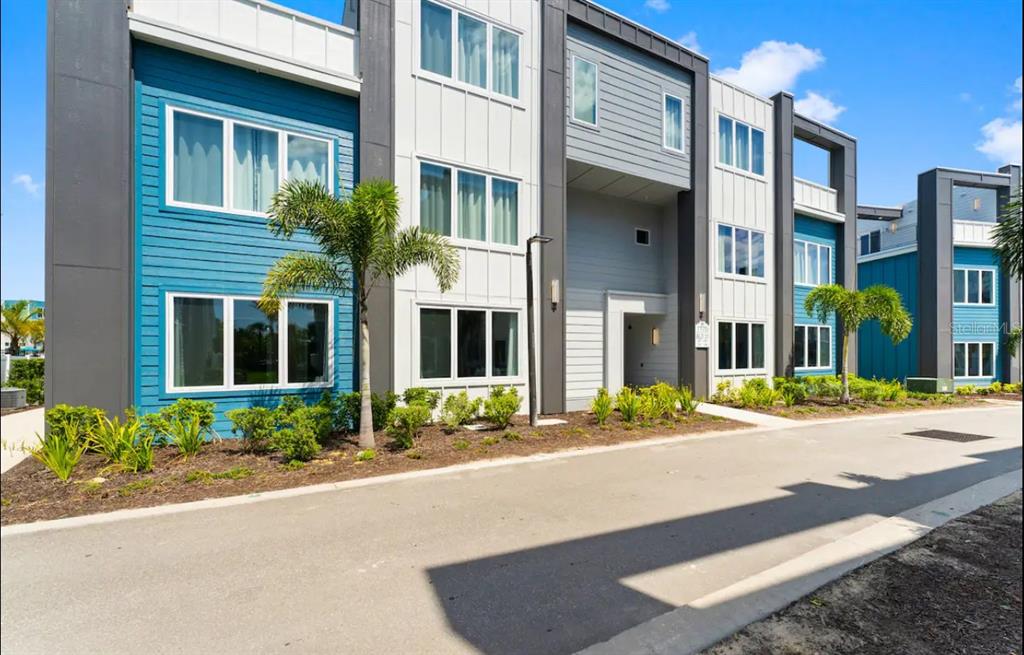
(957, 591)
(820, 408)
(30, 492)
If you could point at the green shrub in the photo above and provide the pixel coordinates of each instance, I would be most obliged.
(791, 391)
(995, 387)
(139, 458)
(422, 396)
(314, 418)
(289, 405)
(159, 424)
(188, 436)
(296, 443)
(628, 404)
(458, 410)
(83, 418)
(823, 386)
(755, 392)
(501, 406)
(256, 425)
(649, 408)
(405, 422)
(366, 455)
(665, 397)
(966, 390)
(724, 393)
(60, 451)
(601, 406)
(350, 407)
(27, 374)
(114, 439)
(687, 402)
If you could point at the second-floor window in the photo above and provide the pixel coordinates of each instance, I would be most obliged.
(871, 242)
(673, 136)
(231, 165)
(584, 91)
(468, 205)
(456, 44)
(740, 251)
(812, 263)
(974, 286)
(740, 145)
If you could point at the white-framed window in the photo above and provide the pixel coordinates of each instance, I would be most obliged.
(643, 236)
(458, 343)
(223, 342)
(468, 205)
(812, 264)
(740, 346)
(871, 242)
(584, 91)
(740, 251)
(974, 359)
(812, 346)
(740, 145)
(673, 125)
(974, 286)
(226, 164)
(459, 45)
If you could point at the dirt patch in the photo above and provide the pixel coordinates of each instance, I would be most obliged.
(32, 493)
(821, 408)
(957, 590)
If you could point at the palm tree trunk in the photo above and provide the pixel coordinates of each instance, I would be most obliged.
(365, 405)
(846, 369)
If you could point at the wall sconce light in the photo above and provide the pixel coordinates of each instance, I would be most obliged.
(702, 304)
(655, 336)
(555, 293)
(893, 227)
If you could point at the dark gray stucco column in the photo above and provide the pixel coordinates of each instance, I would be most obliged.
(553, 220)
(935, 275)
(1010, 290)
(377, 161)
(783, 251)
(89, 213)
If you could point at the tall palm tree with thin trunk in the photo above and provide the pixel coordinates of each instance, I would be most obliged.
(19, 322)
(853, 308)
(1008, 238)
(360, 245)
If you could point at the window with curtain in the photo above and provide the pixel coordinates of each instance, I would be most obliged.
(472, 344)
(435, 343)
(307, 341)
(505, 66)
(472, 51)
(505, 212)
(504, 344)
(255, 345)
(673, 123)
(725, 140)
(742, 146)
(472, 208)
(254, 168)
(584, 91)
(198, 342)
(742, 252)
(198, 144)
(436, 198)
(812, 263)
(307, 159)
(436, 38)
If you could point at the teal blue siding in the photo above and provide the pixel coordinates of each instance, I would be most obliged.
(821, 232)
(182, 250)
(876, 356)
(978, 323)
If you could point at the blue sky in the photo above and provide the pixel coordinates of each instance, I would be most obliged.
(919, 83)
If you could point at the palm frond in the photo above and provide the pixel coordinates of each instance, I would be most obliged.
(885, 304)
(302, 271)
(414, 247)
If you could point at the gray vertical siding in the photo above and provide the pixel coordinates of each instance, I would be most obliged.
(628, 135)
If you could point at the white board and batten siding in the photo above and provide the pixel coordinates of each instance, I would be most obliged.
(447, 122)
(741, 199)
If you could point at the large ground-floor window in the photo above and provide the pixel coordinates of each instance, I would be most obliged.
(812, 346)
(974, 360)
(468, 343)
(219, 342)
(740, 346)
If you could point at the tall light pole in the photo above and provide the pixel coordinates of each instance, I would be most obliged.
(531, 337)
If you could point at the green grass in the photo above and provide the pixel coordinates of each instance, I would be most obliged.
(293, 465)
(460, 444)
(138, 485)
(490, 441)
(366, 455)
(236, 473)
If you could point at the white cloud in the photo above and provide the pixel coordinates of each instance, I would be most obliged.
(1002, 140)
(660, 6)
(25, 181)
(816, 106)
(689, 41)
(773, 66)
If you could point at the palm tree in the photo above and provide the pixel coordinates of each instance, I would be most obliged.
(360, 243)
(1009, 244)
(18, 321)
(878, 302)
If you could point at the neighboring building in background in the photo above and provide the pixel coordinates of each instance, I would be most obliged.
(937, 252)
(29, 346)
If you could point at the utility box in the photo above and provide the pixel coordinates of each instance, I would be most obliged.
(930, 385)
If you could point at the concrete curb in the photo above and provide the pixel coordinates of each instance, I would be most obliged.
(708, 620)
(229, 501)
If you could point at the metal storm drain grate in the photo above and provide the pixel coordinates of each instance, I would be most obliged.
(946, 435)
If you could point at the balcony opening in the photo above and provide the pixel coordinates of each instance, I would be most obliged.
(974, 204)
(811, 163)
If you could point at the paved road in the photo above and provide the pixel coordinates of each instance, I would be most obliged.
(544, 557)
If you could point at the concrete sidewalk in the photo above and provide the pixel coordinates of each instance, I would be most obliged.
(18, 431)
(759, 419)
(540, 557)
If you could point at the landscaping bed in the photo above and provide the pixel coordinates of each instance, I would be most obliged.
(30, 492)
(827, 408)
(956, 590)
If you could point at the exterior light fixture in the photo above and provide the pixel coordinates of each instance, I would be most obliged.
(531, 337)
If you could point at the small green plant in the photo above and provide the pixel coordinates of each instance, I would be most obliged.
(114, 439)
(236, 473)
(966, 390)
(501, 406)
(577, 431)
(755, 392)
(512, 435)
(314, 418)
(137, 485)
(666, 399)
(458, 410)
(405, 422)
(91, 487)
(381, 406)
(139, 459)
(413, 454)
(460, 444)
(490, 441)
(297, 442)
(687, 402)
(366, 455)
(649, 409)
(601, 406)
(187, 435)
(27, 374)
(293, 465)
(422, 396)
(290, 404)
(184, 409)
(85, 418)
(724, 394)
(60, 450)
(791, 391)
(628, 404)
(256, 425)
